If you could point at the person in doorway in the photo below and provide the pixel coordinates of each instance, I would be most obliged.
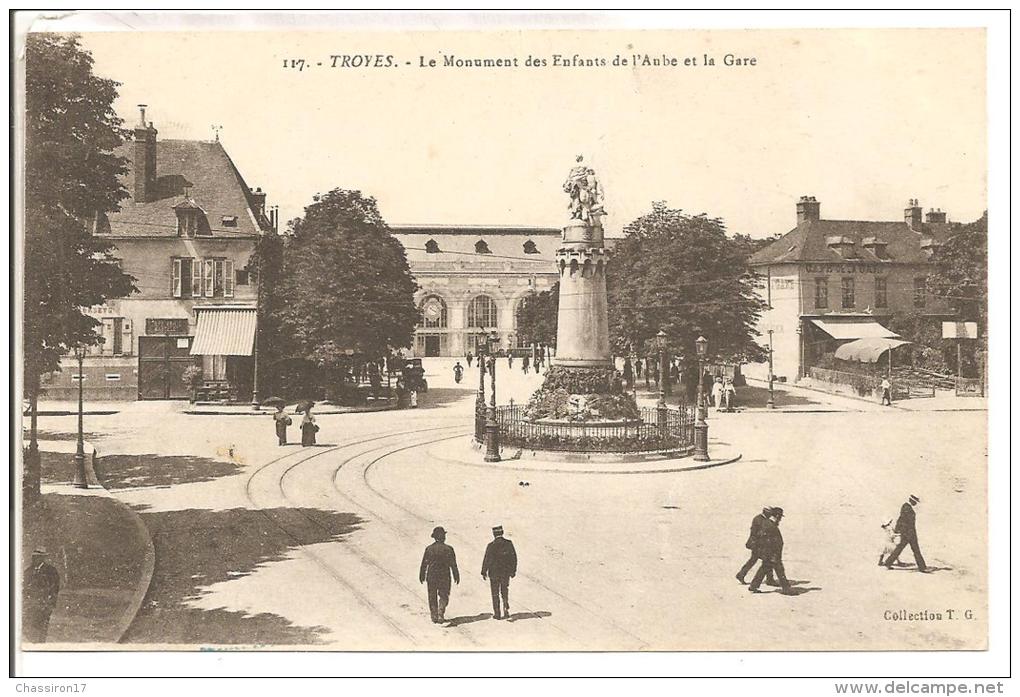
(282, 422)
(437, 565)
(906, 528)
(308, 427)
(772, 553)
(886, 392)
(41, 586)
(499, 566)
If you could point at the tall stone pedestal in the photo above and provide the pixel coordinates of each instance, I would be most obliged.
(582, 333)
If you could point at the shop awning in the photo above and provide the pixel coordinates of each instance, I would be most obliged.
(867, 350)
(853, 328)
(224, 332)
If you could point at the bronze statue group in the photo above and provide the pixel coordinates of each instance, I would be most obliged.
(765, 543)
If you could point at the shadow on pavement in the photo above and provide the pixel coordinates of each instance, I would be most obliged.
(438, 396)
(467, 619)
(149, 470)
(196, 549)
(515, 616)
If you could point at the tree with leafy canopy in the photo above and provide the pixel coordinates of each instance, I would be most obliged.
(536, 317)
(71, 177)
(681, 273)
(346, 284)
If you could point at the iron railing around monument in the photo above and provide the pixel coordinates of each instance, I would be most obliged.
(654, 431)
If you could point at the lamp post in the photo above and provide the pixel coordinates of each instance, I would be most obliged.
(491, 427)
(771, 404)
(80, 479)
(700, 425)
(480, 401)
(660, 408)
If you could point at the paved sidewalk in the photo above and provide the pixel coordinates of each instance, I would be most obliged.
(102, 551)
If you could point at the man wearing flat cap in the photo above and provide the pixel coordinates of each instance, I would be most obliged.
(906, 526)
(499, 566)
(437, 564)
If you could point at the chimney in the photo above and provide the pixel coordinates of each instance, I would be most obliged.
(258, 202)
(935, 216)
(912, 214)
(144, 164)
(808, 209)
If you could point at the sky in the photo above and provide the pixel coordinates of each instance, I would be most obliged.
(861, 119)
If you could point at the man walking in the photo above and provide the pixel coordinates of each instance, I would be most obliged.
(906, 527)
(500, 565)
(886, 392)
(772, 553)
(42, 584)
(437, 564)
(754, 543)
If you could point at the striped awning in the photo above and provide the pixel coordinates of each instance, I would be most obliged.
(224, 332)
(853, 328)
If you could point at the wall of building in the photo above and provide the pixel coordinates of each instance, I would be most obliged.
(150, 262)
(780, 287)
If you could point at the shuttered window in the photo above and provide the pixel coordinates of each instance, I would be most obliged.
(196, 278)
(210, 274)
(176, 279)
(228, 278)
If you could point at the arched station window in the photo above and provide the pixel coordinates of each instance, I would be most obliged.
(433, 312)
(482, 313)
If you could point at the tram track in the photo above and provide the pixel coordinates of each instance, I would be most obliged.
(322, 564)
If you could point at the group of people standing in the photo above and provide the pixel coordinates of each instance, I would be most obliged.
(633, 370)
(439, 568)
(308, 426)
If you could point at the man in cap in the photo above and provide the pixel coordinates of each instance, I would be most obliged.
(906, 527)
(500, 565)
(772, 553)
(42, 584)
(437, 564)
(754, 543)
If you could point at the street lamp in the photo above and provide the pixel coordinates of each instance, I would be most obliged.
(660, 345)
(700, 425)
(771, 404)
(480, 401)
(80, 479)
(491, 427)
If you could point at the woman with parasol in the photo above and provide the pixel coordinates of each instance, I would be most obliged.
(308, 426)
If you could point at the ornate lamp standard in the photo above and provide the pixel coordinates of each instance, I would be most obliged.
(700, 425)
(771, 404)
(660, 345)
(491, 427)
(480, 401)
(80, 479)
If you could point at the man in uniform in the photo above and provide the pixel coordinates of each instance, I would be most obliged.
(42, 583)
(437, 564)
(754, 543)
(500, 565)
(906, 526)
(772, 553)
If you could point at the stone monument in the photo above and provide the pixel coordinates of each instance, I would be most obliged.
(582, 385)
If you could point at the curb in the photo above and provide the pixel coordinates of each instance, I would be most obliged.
(148, 561)
(560, 470)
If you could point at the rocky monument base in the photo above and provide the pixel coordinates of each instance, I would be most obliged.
(582, 395)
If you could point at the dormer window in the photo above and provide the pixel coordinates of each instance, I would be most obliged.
(190, 218)
(530, 248)
(876, 246)
(482, 247)
(229, 221)
(432, 247)
(842, 245)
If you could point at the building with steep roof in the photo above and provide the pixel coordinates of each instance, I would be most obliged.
(186, 233)
(472, 280)
(827, 282)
